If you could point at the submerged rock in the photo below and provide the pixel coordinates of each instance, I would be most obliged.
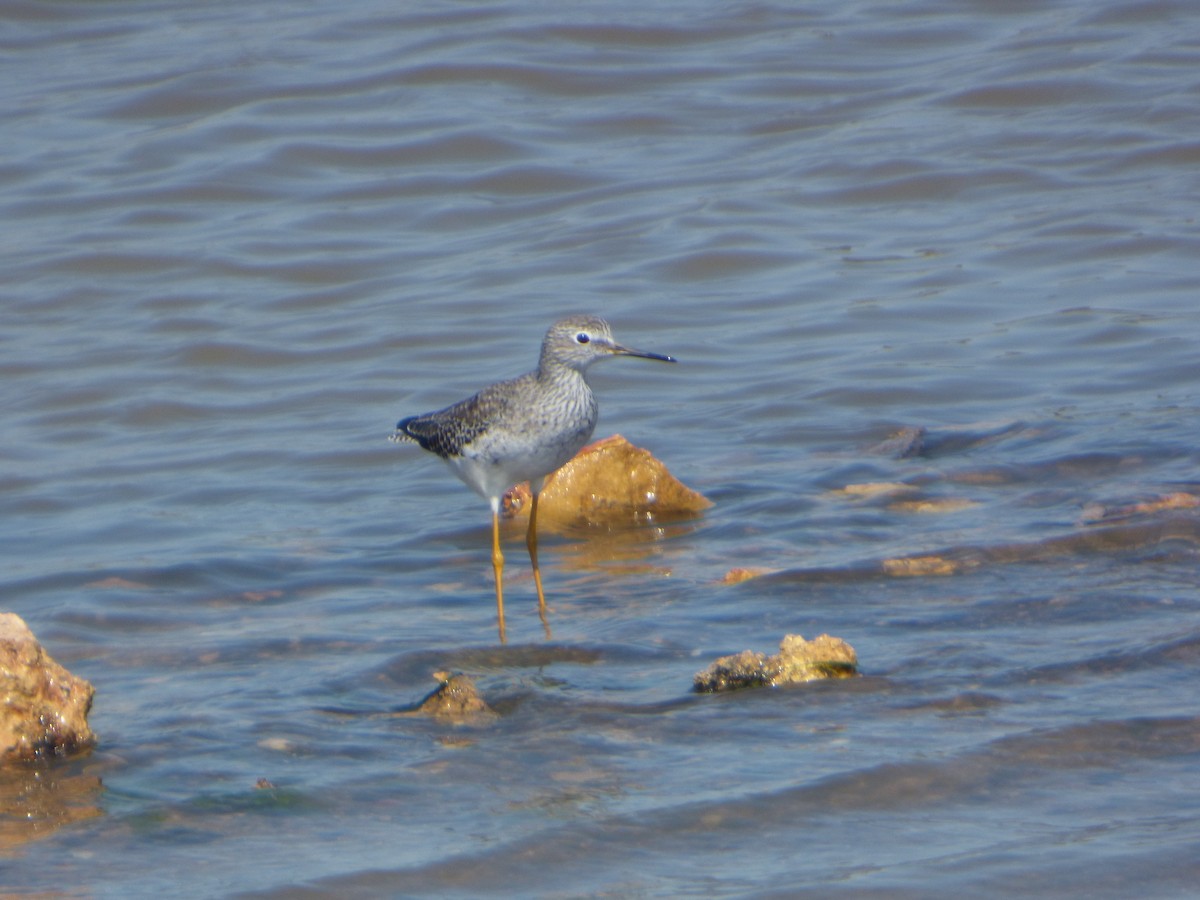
(738, 574)
(1098, 513)
(798, 661)
(609, 482)
(905, 443)
(869, 490)
(920, 566)
(45, 707)
(455, 699)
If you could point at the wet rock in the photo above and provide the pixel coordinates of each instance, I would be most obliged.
(891, 491)
(1097, 512)
(45, 707)
(920, 566)
(609, 482)
(745, 669)
(798, 661)
(456, 699)
(869, 490)
(738, 574)
(936, 505)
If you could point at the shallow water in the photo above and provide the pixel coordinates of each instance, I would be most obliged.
(240, 241)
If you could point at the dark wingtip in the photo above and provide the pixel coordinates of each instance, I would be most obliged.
(402, 435)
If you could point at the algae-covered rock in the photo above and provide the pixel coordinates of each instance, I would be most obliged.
(798, 661)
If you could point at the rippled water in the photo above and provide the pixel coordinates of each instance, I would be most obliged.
(241, 240)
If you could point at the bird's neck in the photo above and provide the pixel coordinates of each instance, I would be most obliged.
(558, 374)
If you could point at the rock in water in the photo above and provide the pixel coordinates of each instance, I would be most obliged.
(45, 707)
(798, 661)
(456, 699)
(609, 482)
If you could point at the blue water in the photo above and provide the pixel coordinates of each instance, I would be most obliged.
(241, 240)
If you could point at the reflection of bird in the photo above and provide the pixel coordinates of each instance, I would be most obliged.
(523, 429)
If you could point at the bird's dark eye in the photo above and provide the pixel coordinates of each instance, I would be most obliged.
(582, 338)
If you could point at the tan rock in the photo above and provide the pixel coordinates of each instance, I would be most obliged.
(870, 489)
(934, 505)
(609, 482)
(455, 699)
(822, 657)
(738, 574)
(1167, 503)
(798, 661)
(44, 709)
(917, 566)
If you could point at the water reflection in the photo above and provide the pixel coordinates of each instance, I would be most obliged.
(36, 800)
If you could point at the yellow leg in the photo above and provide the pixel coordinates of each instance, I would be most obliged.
(498, 568)
(531, 543)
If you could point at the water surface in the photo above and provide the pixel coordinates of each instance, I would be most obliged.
(241, 240)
